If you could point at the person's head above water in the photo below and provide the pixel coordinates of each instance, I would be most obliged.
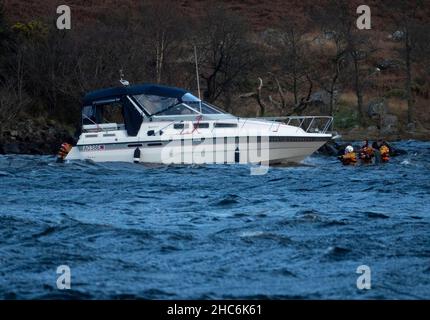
(69, 140)
(349, 149)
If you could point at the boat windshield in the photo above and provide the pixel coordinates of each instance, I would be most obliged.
(198, 105)
(166, 106)
(155, 104)
(178, 109)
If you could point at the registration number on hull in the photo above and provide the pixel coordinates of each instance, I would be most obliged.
(93, 147)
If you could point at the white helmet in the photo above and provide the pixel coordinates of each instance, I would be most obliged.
(349, 149)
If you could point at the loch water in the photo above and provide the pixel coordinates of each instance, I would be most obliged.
(215, 231)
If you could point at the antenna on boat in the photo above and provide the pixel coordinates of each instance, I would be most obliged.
(124, 82)
(197, 77)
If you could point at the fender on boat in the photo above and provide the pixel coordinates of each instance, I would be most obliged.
(136, 155)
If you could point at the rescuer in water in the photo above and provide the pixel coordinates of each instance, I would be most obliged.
(64, 150)
(381, 151)
(349, 157)
(366, 153)
(385, 152)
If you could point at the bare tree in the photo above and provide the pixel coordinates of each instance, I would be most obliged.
(294, 55)
(13, 73)
(258, 96)
(225, 54)
(406, 17)
(359, 51)
(334, 23)
(163, 29)
(12, 103)
(337, 21)
(282, 104)
(13, 98)
(5, 41)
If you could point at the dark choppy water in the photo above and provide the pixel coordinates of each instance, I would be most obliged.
(129, 231)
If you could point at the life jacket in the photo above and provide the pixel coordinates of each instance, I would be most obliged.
(64, 150)
(385, 153)
(366, 154)
(349, 158)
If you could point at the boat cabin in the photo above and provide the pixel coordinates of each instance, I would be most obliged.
(125, 108)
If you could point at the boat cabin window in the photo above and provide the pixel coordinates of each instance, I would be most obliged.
(89, 115)
(112, 113)
(104, 112)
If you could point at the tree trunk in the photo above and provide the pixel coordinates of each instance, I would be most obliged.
(228, 101)
(259, 98)
(160, 48)
(332, 87)
(409, 78)
(210, 91)
(358, 90)
(295, 89)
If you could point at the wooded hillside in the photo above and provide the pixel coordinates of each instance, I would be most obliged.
(255, 58)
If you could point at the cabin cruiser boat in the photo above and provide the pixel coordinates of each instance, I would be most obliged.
(158, 124)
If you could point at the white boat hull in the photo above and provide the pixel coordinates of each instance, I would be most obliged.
(175, 152)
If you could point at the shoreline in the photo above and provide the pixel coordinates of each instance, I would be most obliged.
(390, 138)
(49, 145)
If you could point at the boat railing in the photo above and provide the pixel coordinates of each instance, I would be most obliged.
(309, 124)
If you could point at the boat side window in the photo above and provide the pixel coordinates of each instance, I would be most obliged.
(112, 113)
(103, 113)
(88, 115)
(201, 125)
(225, 125)
(180, 126)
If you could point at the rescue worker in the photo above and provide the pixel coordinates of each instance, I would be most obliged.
(366, 152)
(376, 153)
(349, 158)
(385, 152)
(64, 150)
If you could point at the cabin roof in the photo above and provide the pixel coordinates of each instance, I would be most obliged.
(150, 89)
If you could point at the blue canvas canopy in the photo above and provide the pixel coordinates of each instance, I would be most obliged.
(93, 102)
(149, 89)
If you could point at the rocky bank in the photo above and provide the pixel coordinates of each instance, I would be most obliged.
(33, 136)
